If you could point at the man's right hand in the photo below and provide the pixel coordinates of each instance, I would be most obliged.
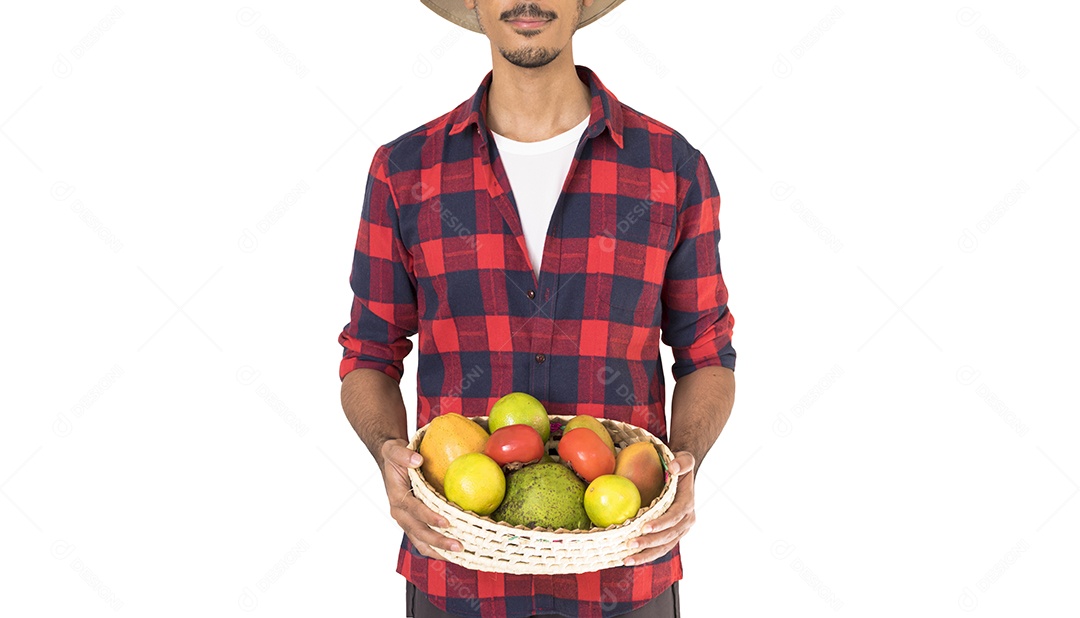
(414, 517)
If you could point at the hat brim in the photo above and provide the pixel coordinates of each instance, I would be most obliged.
(455, 11)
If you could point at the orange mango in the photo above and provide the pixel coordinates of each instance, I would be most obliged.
(446, 438)
(640, 462)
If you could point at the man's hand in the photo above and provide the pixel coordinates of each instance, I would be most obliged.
(414, 517)
(665, 531)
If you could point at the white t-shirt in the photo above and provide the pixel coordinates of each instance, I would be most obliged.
(537, 171)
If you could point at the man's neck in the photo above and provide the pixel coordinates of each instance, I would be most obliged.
(529, 105)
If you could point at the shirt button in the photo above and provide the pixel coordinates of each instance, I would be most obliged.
(540, 358)
(531, 293)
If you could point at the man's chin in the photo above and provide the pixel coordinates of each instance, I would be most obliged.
(529, 61)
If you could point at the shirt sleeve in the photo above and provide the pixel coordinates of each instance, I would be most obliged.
(384, 312)
(695, 320)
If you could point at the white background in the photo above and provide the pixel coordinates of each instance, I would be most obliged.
(180, 204)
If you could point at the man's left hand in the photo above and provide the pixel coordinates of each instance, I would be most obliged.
(665, 531)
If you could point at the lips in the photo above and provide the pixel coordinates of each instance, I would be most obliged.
(527, 24)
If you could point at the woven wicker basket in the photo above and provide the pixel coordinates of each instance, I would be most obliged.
(501, 548)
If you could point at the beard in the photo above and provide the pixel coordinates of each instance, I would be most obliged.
(528, 57)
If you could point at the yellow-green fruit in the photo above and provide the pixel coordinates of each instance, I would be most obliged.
(475, 483)
(446, 438)
(590, 422)
(611, 499)
(520, 409)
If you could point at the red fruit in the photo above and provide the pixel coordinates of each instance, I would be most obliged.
(586, 453)
(515, 444)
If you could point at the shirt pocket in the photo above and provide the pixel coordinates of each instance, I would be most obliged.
(640, 248)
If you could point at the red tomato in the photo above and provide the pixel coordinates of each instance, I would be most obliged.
(515, 444)
(586, 453)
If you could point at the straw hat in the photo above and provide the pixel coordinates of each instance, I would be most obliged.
(455, 11)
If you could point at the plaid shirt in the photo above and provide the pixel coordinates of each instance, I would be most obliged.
(630, 259)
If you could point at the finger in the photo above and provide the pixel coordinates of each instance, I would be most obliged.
(423, 537)
(683, 504)
(427, 535)
(649, 555)
(424, 549)
(665, 536)
(665, 523)
(416, 509)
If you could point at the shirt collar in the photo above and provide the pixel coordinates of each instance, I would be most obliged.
(606, 110)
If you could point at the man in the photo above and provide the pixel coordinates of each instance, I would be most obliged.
(541, 237)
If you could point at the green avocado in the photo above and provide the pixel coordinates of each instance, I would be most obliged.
(545, 495)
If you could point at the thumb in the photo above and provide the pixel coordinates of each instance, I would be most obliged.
(399, 454)
(683, 463)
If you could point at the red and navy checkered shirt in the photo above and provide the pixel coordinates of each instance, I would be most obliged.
(630, 259)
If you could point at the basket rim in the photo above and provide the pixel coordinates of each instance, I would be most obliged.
(644, 514)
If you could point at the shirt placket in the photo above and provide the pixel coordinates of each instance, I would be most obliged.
(544, 322)
(540, 327)
(544, 296)
(552, 279)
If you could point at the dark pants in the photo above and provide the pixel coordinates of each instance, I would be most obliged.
(664, 606)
